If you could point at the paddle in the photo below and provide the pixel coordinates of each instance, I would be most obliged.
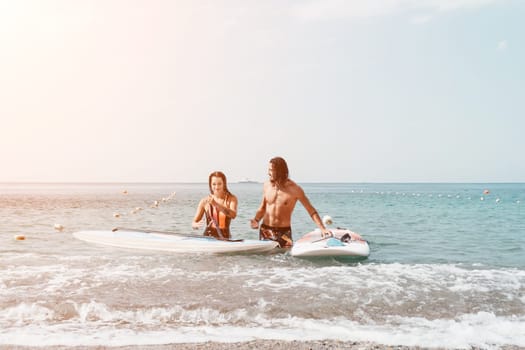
(219, 231)
(171, 233)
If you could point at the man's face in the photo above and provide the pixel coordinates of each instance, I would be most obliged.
(271, 172)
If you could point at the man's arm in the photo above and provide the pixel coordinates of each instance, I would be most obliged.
(311, 210)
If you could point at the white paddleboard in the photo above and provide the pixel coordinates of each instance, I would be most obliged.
(344, 243)
(172, 242)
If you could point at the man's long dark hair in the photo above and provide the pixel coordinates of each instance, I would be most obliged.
(281, 170)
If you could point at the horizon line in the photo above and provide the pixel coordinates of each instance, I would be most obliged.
(245, 183)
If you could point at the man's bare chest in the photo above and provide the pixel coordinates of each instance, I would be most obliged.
(277, 197)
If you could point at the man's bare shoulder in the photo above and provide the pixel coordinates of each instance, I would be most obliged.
(293, 187)
(291, 183)
(267, 186)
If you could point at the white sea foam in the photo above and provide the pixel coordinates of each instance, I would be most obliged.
(25, 313)
(388, 281)
(392, 277)
(390, 288)
(481, 329)
(99, 313)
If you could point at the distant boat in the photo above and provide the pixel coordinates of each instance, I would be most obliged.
(247, 181)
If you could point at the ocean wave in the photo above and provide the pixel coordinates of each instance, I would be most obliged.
(155, 326)
(378, 290)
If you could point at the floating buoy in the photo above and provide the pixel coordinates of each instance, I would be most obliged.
(19, 237)
(497, 200)
(482, 199)
(58, 227)
(136, 210)
(117, 215)
(125, 192)
(486, 192)
(327, 220)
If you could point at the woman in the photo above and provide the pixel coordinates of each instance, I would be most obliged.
(220, 207)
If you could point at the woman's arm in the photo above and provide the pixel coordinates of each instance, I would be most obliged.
(230, 210)
(196, 223)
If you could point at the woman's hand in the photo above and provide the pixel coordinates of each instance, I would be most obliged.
(211, 200)
(197, 225)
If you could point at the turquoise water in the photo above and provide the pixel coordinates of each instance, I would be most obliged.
(446, 269)
(431, 223)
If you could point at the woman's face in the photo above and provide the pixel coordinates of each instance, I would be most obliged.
(217, 185)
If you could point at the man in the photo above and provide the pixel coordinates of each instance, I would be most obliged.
(280, 194)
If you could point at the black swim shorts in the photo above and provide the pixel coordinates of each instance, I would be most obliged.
(282, 235)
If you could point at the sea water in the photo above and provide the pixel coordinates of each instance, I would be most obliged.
(446, 268)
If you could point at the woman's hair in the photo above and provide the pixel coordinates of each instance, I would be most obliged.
(223, 177)
(281, 169)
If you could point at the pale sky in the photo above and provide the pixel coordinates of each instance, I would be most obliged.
(345, 91)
